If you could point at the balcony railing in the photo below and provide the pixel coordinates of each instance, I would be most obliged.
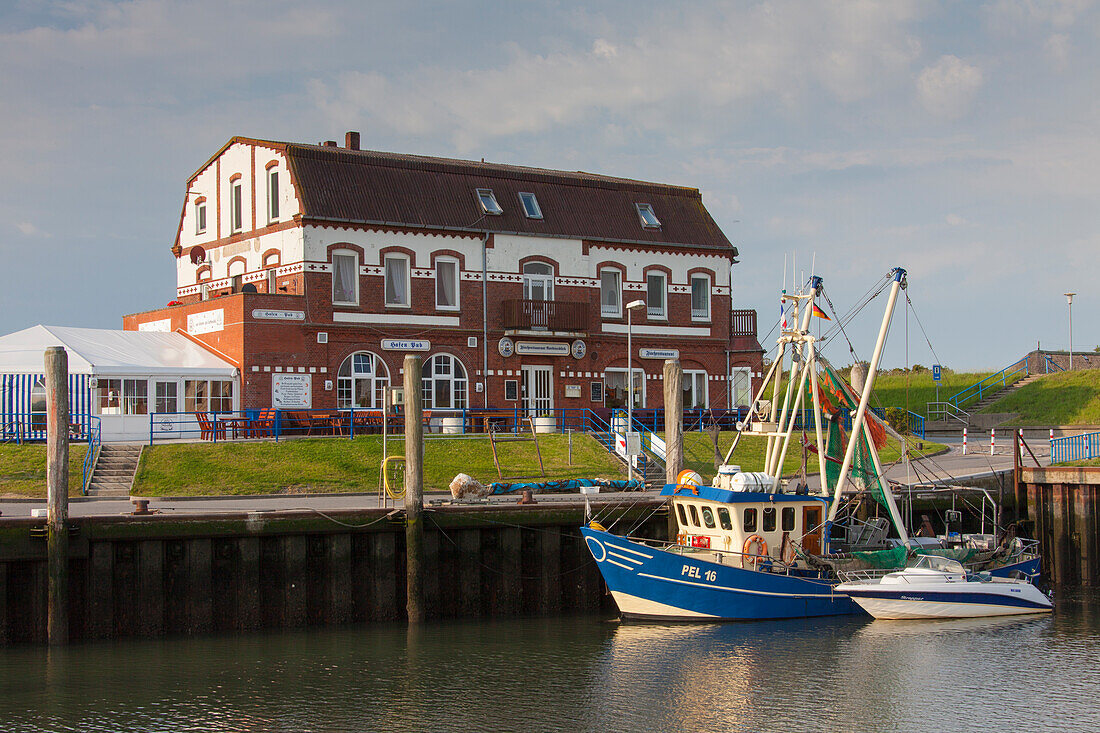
(545, 315)
(743, 323)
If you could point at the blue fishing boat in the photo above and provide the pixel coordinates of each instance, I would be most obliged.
(756, 546)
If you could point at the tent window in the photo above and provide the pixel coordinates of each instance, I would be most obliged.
(38, 406)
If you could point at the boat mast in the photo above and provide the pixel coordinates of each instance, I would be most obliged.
(858, 424)
(802, 356)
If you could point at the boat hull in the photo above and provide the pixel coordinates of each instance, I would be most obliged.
(918, 603)
(649, 583)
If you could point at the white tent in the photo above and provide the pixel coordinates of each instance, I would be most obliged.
(97, 351)
(117, 379)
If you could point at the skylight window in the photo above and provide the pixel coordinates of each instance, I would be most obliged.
(530, 205)
(489, 202)
(649, 219)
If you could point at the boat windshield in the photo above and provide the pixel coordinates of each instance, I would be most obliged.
(940, 564)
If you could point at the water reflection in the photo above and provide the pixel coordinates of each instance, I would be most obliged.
(577, 674)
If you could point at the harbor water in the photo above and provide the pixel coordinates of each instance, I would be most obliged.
(579, 673)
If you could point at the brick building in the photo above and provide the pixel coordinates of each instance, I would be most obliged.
(316, 268)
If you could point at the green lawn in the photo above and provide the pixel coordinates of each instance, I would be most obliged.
(1065, 398)
(699, 453)
(335, 465)
(913, 390)
(23, 469)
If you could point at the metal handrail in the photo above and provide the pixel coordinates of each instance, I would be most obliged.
(95, 442)
(1048, 363)
(1083, 447)
(979, 388)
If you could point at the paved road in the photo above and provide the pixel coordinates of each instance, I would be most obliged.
(950, 467)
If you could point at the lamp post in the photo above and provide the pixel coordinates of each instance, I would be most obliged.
(1069, 304)
(630, 307)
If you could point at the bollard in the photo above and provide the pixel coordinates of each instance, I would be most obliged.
(964, 441)
(992, 440)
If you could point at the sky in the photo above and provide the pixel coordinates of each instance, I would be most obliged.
(956, 139)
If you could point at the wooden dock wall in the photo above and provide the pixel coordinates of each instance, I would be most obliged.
(1062, 508)
(167, 574)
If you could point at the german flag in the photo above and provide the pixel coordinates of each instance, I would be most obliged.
(820, 313)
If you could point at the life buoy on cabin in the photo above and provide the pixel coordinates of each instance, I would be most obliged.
(753, 557)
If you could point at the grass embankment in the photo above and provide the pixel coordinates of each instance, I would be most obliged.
(335, 465)
(913, 390)
(1065, 398)
(23, 470)
(699, 453)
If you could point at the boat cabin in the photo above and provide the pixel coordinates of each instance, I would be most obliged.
(745, 527)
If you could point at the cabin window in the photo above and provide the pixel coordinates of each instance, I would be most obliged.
(788, 519)
(683, 515)
(708, 517)
(724, 518)
(694, 515)
(749, 523)
(768, 520)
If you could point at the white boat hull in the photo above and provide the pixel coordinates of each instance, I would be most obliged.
(894, 608)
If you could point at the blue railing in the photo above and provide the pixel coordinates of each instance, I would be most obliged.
(95, 439)
(992, 383)
(1083, 447)
(1049, 366)
(916, 424)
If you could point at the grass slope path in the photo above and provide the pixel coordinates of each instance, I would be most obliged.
(23, 470)
(1065, 398)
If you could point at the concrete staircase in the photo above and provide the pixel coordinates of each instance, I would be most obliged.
(113, 473)
(654, 472)
(990, 399)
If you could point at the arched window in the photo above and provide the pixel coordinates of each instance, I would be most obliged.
(444, 383)
(538, 281)
(38, 406)
(361, 381)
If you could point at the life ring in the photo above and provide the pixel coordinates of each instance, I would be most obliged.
(753, 557)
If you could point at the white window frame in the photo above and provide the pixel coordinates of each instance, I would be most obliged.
(345, 253)
(747, 378)
(639, 390)
(457, 282)
(530, 205)
(272, 194)
(647, 216)
(547, 280)
(236, 206)
(488, 201)
(659, 313)
(457, 385)
(616, 310)
(700, 315)
(692, 376)
(379, 377)
(158, 398)
(386, 280)
(200, 217)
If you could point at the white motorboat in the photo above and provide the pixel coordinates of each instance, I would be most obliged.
(939, 587)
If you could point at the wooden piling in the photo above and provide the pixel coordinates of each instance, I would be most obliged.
(674, 419)
(414, 491)
(57, 492)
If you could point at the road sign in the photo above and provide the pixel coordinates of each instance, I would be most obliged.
(935, 372)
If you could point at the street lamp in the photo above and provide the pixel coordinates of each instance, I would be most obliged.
(630, 307)
(1069, 303)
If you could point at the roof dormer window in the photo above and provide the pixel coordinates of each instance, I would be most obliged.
(649, 219)
(489, 202)
(530, 206)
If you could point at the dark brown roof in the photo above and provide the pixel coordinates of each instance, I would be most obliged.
(364, 186)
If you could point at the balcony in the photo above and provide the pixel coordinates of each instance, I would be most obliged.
(544, 315)
(743, 323)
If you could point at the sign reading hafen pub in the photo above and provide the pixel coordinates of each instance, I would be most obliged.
(292, 391)
(277, 315)
(406, 345)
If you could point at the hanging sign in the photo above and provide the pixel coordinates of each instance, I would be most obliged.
(659, 353)
(406, 345)
(542, 348)
(291, 391)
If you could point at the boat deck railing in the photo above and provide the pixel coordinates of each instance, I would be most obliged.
(764, 563)
(850, 576)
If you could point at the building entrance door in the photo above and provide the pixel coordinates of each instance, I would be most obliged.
(538, 390)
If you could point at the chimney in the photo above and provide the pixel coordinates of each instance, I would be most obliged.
(329, 143)
(351, 140)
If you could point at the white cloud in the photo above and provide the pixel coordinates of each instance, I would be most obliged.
(1058, 48)
(954, 220)
(947, 87)
(29, 230)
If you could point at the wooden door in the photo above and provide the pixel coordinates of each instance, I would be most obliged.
(811, 529)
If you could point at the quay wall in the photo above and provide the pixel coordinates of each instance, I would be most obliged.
(1062, 507)
(147, 576)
